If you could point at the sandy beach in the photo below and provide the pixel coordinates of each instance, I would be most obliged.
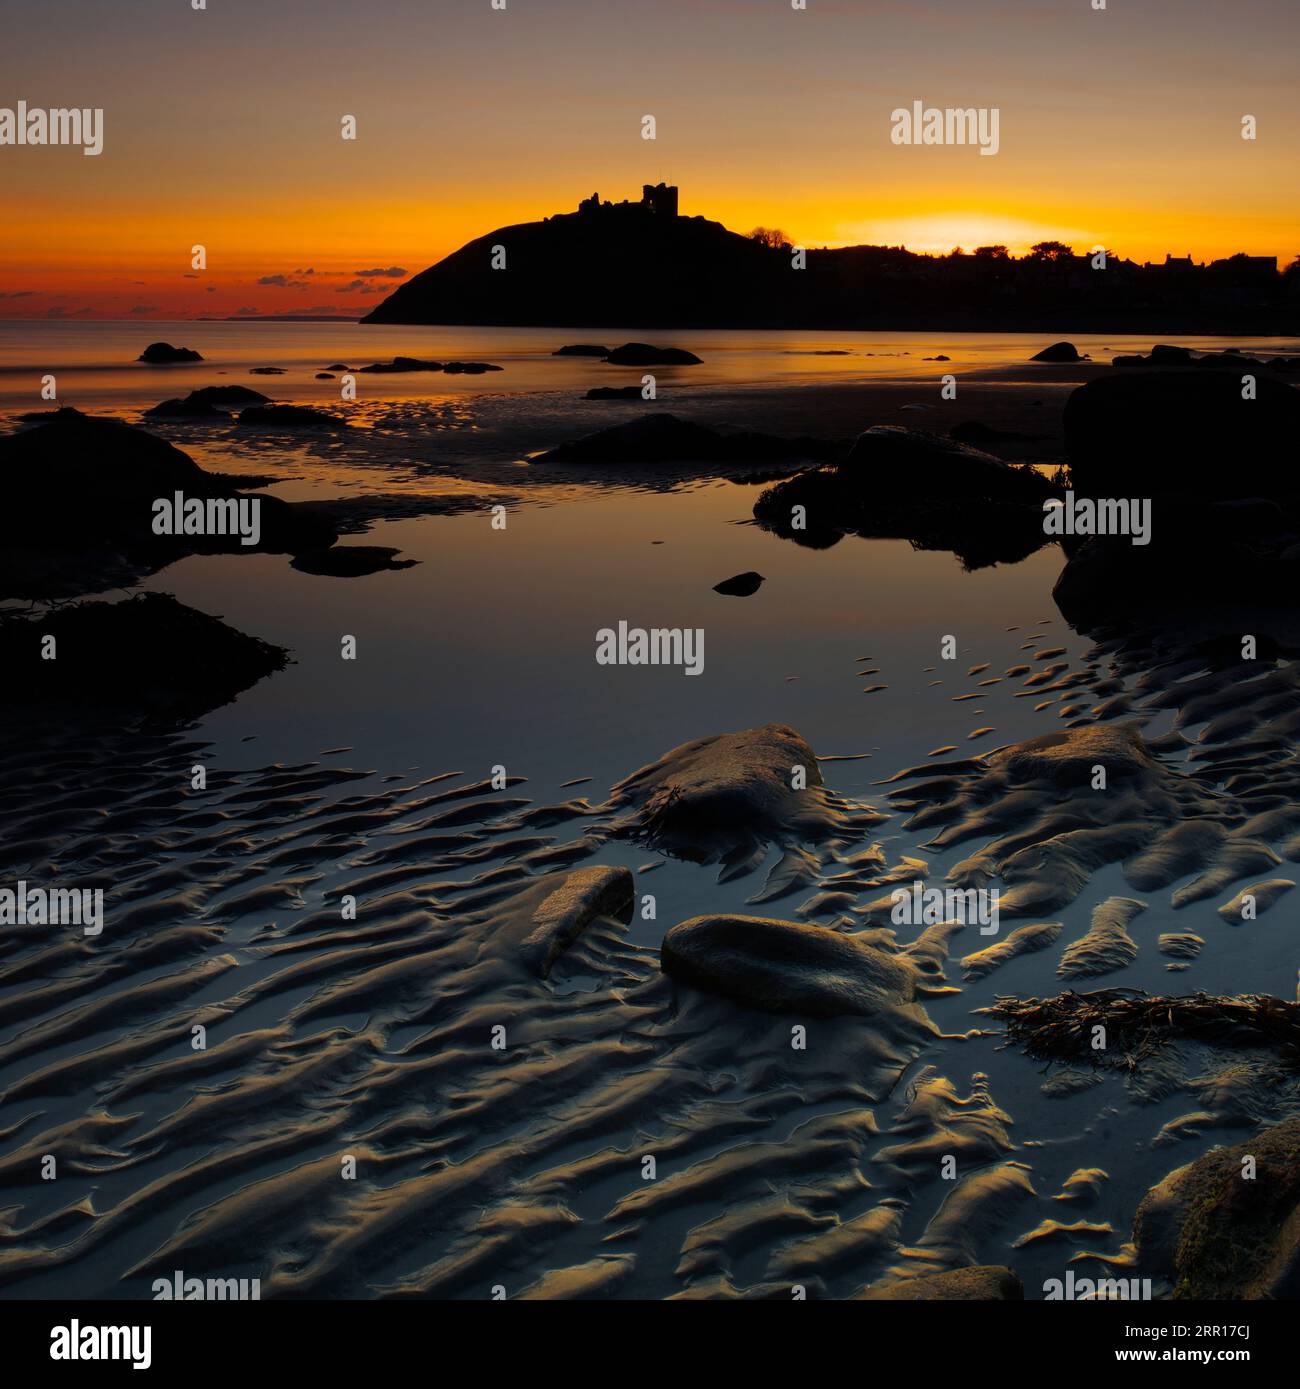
(501, 971)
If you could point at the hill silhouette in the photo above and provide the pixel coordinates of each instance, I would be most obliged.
(640, 264)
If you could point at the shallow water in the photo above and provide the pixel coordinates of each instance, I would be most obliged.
(95, 364)
(478, 1169)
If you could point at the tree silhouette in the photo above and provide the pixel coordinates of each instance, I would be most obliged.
(772, 237)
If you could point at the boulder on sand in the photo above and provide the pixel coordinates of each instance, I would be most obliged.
(789, 967)
(1157, 433)
(729, 787)
(164, 354)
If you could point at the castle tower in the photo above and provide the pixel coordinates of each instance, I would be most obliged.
(660, 198)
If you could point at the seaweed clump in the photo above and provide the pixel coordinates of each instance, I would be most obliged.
(1137, 1025)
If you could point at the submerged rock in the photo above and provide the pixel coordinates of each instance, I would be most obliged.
(789, 967)
(164, 354)
(1213, 1233)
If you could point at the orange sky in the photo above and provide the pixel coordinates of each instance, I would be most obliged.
(222, 128)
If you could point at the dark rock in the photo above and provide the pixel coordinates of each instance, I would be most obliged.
(1213, 1234)
(350, 561)
(939, 358)
(582, 896)
(267, 371)
(149, 657)
(164, 354)
(1163, 355)
(470, 368)
(86, 487)
(289, 417)
(614, 393)
(741, 585)
(1199, 553)
(935, 492)
(324, 376)
(663, 438)
(401, 364)
(981, 1283)
(733, 791)
(184, 409)
(229, 395)
(338, 366)
(581, 349)
(788, 967)
(641, 354)
(1157, 433)
(1059, 352)
(201, 404)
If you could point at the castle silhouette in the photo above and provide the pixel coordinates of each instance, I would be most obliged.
(659, 198)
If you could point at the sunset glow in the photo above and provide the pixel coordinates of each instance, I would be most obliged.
(769, 116)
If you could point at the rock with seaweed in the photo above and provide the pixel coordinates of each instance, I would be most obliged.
(1228, 1224)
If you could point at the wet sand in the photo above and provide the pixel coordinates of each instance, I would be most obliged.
(492, 1038)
